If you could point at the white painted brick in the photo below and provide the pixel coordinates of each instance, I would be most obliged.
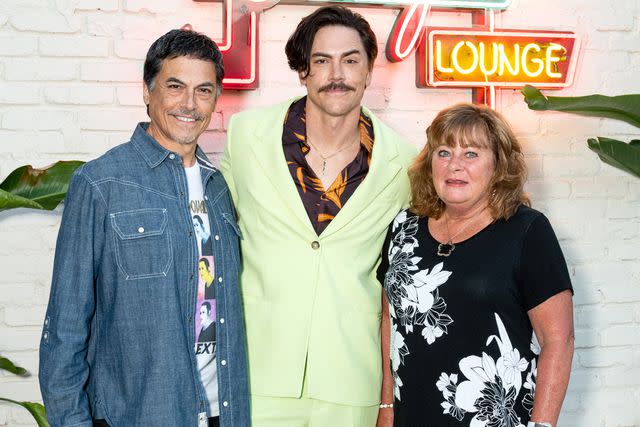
(103, 25)
(41, 70)
(79, 95)
(564, 166)
(604, 357)
(101, 5)
(598, 187)
(535, 166)
(570, 209)
(111, 72)
(621, 335)
(602, 316)
(44, 21)
(586, 338)
(164, 6)
(19, 339)
(622, 377)
(131, 49)
(4, 406)
(547, 189)
(583, 379)
(622, 209)
(20, 389)
(121, 119)
(24, 316)
(605, 18)
(18, 46)
(38, 119)
(12, 293)
(130, 95)
(19, 93)
(74, 46)
(624, 250)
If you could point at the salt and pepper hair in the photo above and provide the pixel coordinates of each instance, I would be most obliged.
(298, 48)
(468, 125)
(187, 43)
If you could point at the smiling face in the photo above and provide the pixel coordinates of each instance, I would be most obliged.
(339, 72)
(181, 101)
(462, 175)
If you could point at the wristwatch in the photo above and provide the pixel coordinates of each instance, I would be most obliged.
(537, 424)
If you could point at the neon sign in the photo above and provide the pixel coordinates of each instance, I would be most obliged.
(472, 58)
(480, 58)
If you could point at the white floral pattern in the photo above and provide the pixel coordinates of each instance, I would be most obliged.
(413, 294)
(491, 386)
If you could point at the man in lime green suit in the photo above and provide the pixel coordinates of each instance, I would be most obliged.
(316, 182)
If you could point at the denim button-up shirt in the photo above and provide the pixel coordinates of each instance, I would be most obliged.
(119, 334)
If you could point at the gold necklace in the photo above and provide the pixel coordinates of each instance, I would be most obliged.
(445, 249)
(325, 158)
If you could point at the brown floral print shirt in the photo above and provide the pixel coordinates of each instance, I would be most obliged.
(322, 205)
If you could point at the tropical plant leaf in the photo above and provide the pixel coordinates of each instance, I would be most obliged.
(618, 154)
(622, 107)
(37, 188)
(35, 409)
(8, 365)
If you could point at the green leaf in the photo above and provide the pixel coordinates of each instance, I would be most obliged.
(37, 188)
(622, 107)
(35, 409)
(8, 365)
(617, 154)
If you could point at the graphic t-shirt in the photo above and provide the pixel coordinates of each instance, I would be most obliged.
(205, 315)
(463, 348)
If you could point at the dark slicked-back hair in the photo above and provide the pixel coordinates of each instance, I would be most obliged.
(298, 48)
(182, 43)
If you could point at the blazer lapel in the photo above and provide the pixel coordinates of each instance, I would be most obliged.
(267, 148)
(382, 171)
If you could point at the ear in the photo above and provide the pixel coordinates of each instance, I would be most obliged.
(302, 78)
(145, 93)
(368, 81)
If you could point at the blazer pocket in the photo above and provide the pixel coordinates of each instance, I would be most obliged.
(230, 220)
(142, 243)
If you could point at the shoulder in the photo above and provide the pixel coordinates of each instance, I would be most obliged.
(109, 163)
(526, 216)
(403, 218)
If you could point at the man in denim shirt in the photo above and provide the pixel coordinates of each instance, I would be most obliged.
(119, 345)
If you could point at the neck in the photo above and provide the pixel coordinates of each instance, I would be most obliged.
(457, 214)
(187, 151)
(331, 132)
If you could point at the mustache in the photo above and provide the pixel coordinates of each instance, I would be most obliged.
(336, 86)
(193, 114)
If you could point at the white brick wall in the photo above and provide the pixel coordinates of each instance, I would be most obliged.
(70, 87)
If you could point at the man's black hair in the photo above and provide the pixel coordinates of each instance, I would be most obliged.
(182, 43)
(298, 48)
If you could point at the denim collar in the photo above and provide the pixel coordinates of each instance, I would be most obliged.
(154, 153)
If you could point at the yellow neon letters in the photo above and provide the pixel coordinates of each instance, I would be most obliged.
(504, 59)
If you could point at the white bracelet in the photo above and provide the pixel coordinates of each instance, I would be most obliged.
(386, 405)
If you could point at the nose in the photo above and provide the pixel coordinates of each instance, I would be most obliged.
(337, 71)
(189, 100)
(455, 162)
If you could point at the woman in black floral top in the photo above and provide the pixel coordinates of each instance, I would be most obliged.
(477, 287)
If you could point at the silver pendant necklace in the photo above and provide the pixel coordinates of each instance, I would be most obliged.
(445, 249)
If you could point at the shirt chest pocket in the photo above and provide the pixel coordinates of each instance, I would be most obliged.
(142, 243)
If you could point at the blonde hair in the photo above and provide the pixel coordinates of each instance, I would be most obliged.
(471, 125)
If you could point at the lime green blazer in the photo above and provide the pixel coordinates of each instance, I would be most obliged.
(311, 302)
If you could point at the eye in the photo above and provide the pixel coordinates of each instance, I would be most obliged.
(444, 153)
(205, 90)
(173, 86)
(471, 154)
(351, 61)
(320, 61)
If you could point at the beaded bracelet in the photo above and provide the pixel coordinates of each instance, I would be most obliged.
(386, 405)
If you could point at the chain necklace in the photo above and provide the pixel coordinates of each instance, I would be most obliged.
(325, 158)
(445, 249)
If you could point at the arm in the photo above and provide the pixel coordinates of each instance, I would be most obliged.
(385, 415)
(64, 370)
(553, 325)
